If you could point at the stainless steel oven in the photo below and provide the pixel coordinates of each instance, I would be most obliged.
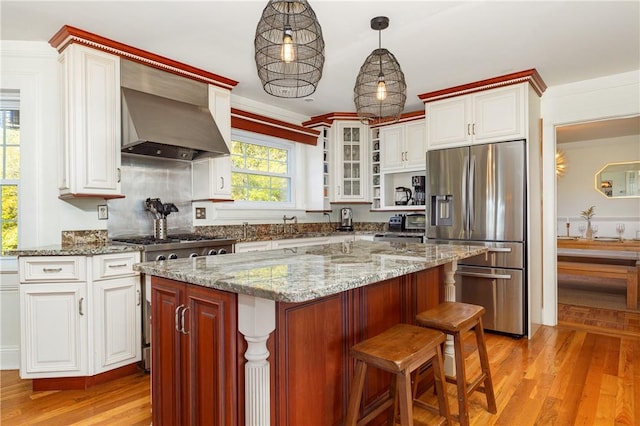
(177, 246)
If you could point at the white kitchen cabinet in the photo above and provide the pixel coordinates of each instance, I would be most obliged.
(300, 242)
(212, 176)
(403, 147)
(350, 165)
(342, 238)
(489, 116)
(252, 246)
(316, 171)
(117, 304)
(89, 81)
(53, 330)
(79, 315)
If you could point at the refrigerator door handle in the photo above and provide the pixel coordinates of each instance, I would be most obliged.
(479, 275)
(465, 176)
(472, 189)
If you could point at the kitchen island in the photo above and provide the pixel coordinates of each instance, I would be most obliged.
(263, 337)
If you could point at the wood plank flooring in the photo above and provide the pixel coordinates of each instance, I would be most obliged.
(577, 373)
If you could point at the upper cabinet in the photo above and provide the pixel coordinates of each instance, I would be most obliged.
(403, 147)
(89, 81)
(487, 116)
(351, 168)
(212, 176)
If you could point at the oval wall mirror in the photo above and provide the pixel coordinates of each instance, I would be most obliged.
(619, 180)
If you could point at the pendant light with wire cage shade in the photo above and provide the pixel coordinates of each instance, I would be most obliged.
(289, 49)
(380, 91)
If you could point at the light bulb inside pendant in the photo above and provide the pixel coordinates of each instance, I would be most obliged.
(287, 53)
(381, 91)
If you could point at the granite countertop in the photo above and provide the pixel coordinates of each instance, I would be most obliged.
(75, 250)
(305, 273)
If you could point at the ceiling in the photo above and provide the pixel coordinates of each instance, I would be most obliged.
(438, 44)
(602, 129)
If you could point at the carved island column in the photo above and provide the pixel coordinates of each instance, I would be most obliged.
(256, 320)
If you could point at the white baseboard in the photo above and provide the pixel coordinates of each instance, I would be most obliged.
(10, 358)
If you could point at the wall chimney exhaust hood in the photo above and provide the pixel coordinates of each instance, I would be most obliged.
(167, 116)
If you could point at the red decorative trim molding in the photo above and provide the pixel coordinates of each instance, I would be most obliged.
(328, 119)
(530, 76)
(404, 118)
(268, 126)
(68, 35)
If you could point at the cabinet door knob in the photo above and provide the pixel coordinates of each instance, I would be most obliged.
(221, 182)
(473, 129)
(80, 310)
(119, 173)
(139, 297)
(469, 129)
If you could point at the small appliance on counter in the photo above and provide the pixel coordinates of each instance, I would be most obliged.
(396, 223)
(346, 219)
(418, 190)
(415, 222)
(403, 196)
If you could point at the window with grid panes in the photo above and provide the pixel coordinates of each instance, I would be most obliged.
(9, 167)
(261, 169)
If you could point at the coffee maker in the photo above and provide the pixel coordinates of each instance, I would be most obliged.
(418, 183)
(346, 219)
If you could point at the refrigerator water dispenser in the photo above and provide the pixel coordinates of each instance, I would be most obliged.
(442, 210)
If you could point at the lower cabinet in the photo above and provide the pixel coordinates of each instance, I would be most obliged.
(80, 316)
(193, 355)
(292, 242)
(117, 331)
(53, 329)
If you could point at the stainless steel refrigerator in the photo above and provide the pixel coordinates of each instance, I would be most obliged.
(477, 195)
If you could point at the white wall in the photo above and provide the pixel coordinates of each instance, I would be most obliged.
(576, 189)
(607, 97)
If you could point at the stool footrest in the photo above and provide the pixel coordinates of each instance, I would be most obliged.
(431, 408)
(379, 409)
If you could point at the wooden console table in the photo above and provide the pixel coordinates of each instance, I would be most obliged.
(605, 259)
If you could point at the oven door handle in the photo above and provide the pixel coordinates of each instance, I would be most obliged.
(480, 275)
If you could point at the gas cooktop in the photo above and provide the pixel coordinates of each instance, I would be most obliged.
(174, 238)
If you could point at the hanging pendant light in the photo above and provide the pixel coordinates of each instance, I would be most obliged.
(289, 49)
(380, 91)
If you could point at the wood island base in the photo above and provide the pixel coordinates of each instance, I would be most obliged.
(216, 356)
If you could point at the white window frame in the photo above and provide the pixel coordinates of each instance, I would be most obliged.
(273, 142)
(12, 101)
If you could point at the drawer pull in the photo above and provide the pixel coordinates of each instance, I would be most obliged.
(80, 311)
(177, 319)
(51, 270)
(119, 265)
(182, 320)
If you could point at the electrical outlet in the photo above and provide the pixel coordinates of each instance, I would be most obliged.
(201, 213)
(103, 212)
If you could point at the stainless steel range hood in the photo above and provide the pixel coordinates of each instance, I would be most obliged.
(167, 116)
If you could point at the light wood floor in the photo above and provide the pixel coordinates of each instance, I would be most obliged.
(576, 373)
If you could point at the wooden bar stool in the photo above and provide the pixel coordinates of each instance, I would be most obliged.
(399, 350)
(455, 318)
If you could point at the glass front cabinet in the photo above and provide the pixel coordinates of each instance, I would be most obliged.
(351, 170)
